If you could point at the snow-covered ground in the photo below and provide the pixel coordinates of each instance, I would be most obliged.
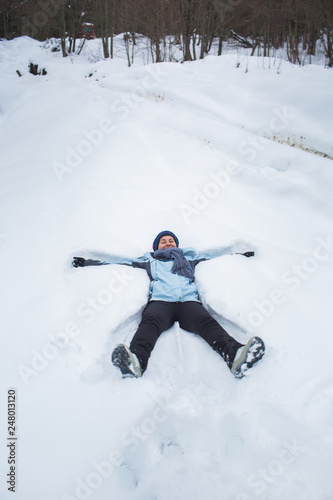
(97, 158)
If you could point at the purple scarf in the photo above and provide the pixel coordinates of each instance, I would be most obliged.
(181, 265)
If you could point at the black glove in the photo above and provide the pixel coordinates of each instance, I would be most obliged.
(248, 254)
(78, 262)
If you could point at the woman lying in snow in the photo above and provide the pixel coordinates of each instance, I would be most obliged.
(174, 297)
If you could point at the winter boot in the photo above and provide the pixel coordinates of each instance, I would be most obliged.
(126, 361)
(247, 356)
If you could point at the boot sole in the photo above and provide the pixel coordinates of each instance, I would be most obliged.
(121, 359)
(253, 352)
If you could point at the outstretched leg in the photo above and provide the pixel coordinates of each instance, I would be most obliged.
(157, 317)
(193, 317)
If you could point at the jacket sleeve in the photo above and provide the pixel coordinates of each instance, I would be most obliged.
(110, 260)
(140, 262)
(237, 247)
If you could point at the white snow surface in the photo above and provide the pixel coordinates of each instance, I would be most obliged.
(96, 159)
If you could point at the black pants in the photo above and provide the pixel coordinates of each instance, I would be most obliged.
(158, 316)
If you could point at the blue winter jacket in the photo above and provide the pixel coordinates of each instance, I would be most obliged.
(164, 285)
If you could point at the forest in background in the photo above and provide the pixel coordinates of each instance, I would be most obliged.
(263, 26)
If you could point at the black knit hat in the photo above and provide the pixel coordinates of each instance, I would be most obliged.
(160, 235)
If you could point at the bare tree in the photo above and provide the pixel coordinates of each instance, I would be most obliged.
(326, 11)
(185, 11)
(155, 24)
(8, 19)
(261, 25)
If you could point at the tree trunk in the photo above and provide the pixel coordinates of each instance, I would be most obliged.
(186, 47)
(105, 44)
(63, 47)
(219, 53)
(126, 40)
(63, 31)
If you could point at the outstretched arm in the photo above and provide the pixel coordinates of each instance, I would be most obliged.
(81, 262)
(239, 247)
(111, 259)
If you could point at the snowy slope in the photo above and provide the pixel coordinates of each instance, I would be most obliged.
(96, 158)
